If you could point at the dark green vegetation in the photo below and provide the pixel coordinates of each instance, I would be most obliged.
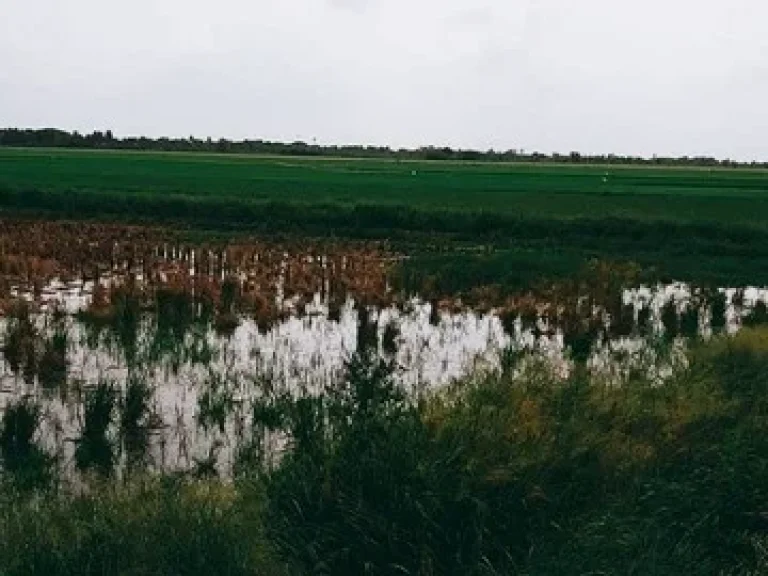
(152, 526)
(514, 473)
(513, 222)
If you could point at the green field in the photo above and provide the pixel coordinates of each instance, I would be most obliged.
(721, 195)
(708, 224)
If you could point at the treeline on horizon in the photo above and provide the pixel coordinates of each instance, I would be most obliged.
(54, 138)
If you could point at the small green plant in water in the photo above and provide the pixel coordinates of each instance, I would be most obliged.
(689, 321)
(718, 307)
(758, 316)
(95, 449)
(21, 343)
(216, 403)
(26, 463)
(136, 423)
(53, 365)
(670, 320)
(389, 338)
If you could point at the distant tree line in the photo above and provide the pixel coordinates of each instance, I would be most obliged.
(53, 138)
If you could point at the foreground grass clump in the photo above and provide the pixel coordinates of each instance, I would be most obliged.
(152, 526)
(519, 472)
(526, 473)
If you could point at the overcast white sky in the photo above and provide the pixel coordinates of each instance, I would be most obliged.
(629, 77)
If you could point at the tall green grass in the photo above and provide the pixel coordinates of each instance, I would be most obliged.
(150, 526)
(514, 472)
(525, 473)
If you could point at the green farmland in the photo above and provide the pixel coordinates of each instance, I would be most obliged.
(526, 190)
(533, 221)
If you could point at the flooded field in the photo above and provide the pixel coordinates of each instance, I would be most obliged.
(538, 381)
(155, 356)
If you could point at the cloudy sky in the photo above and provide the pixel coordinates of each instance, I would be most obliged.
(629, 77)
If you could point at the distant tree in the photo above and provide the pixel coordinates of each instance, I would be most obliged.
(53, 138)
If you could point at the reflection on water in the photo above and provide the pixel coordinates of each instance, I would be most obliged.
(163, 386)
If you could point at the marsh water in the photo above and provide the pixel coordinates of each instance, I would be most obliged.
(201, 375)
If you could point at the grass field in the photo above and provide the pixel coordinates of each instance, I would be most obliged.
(700, 224)
(722, 195)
